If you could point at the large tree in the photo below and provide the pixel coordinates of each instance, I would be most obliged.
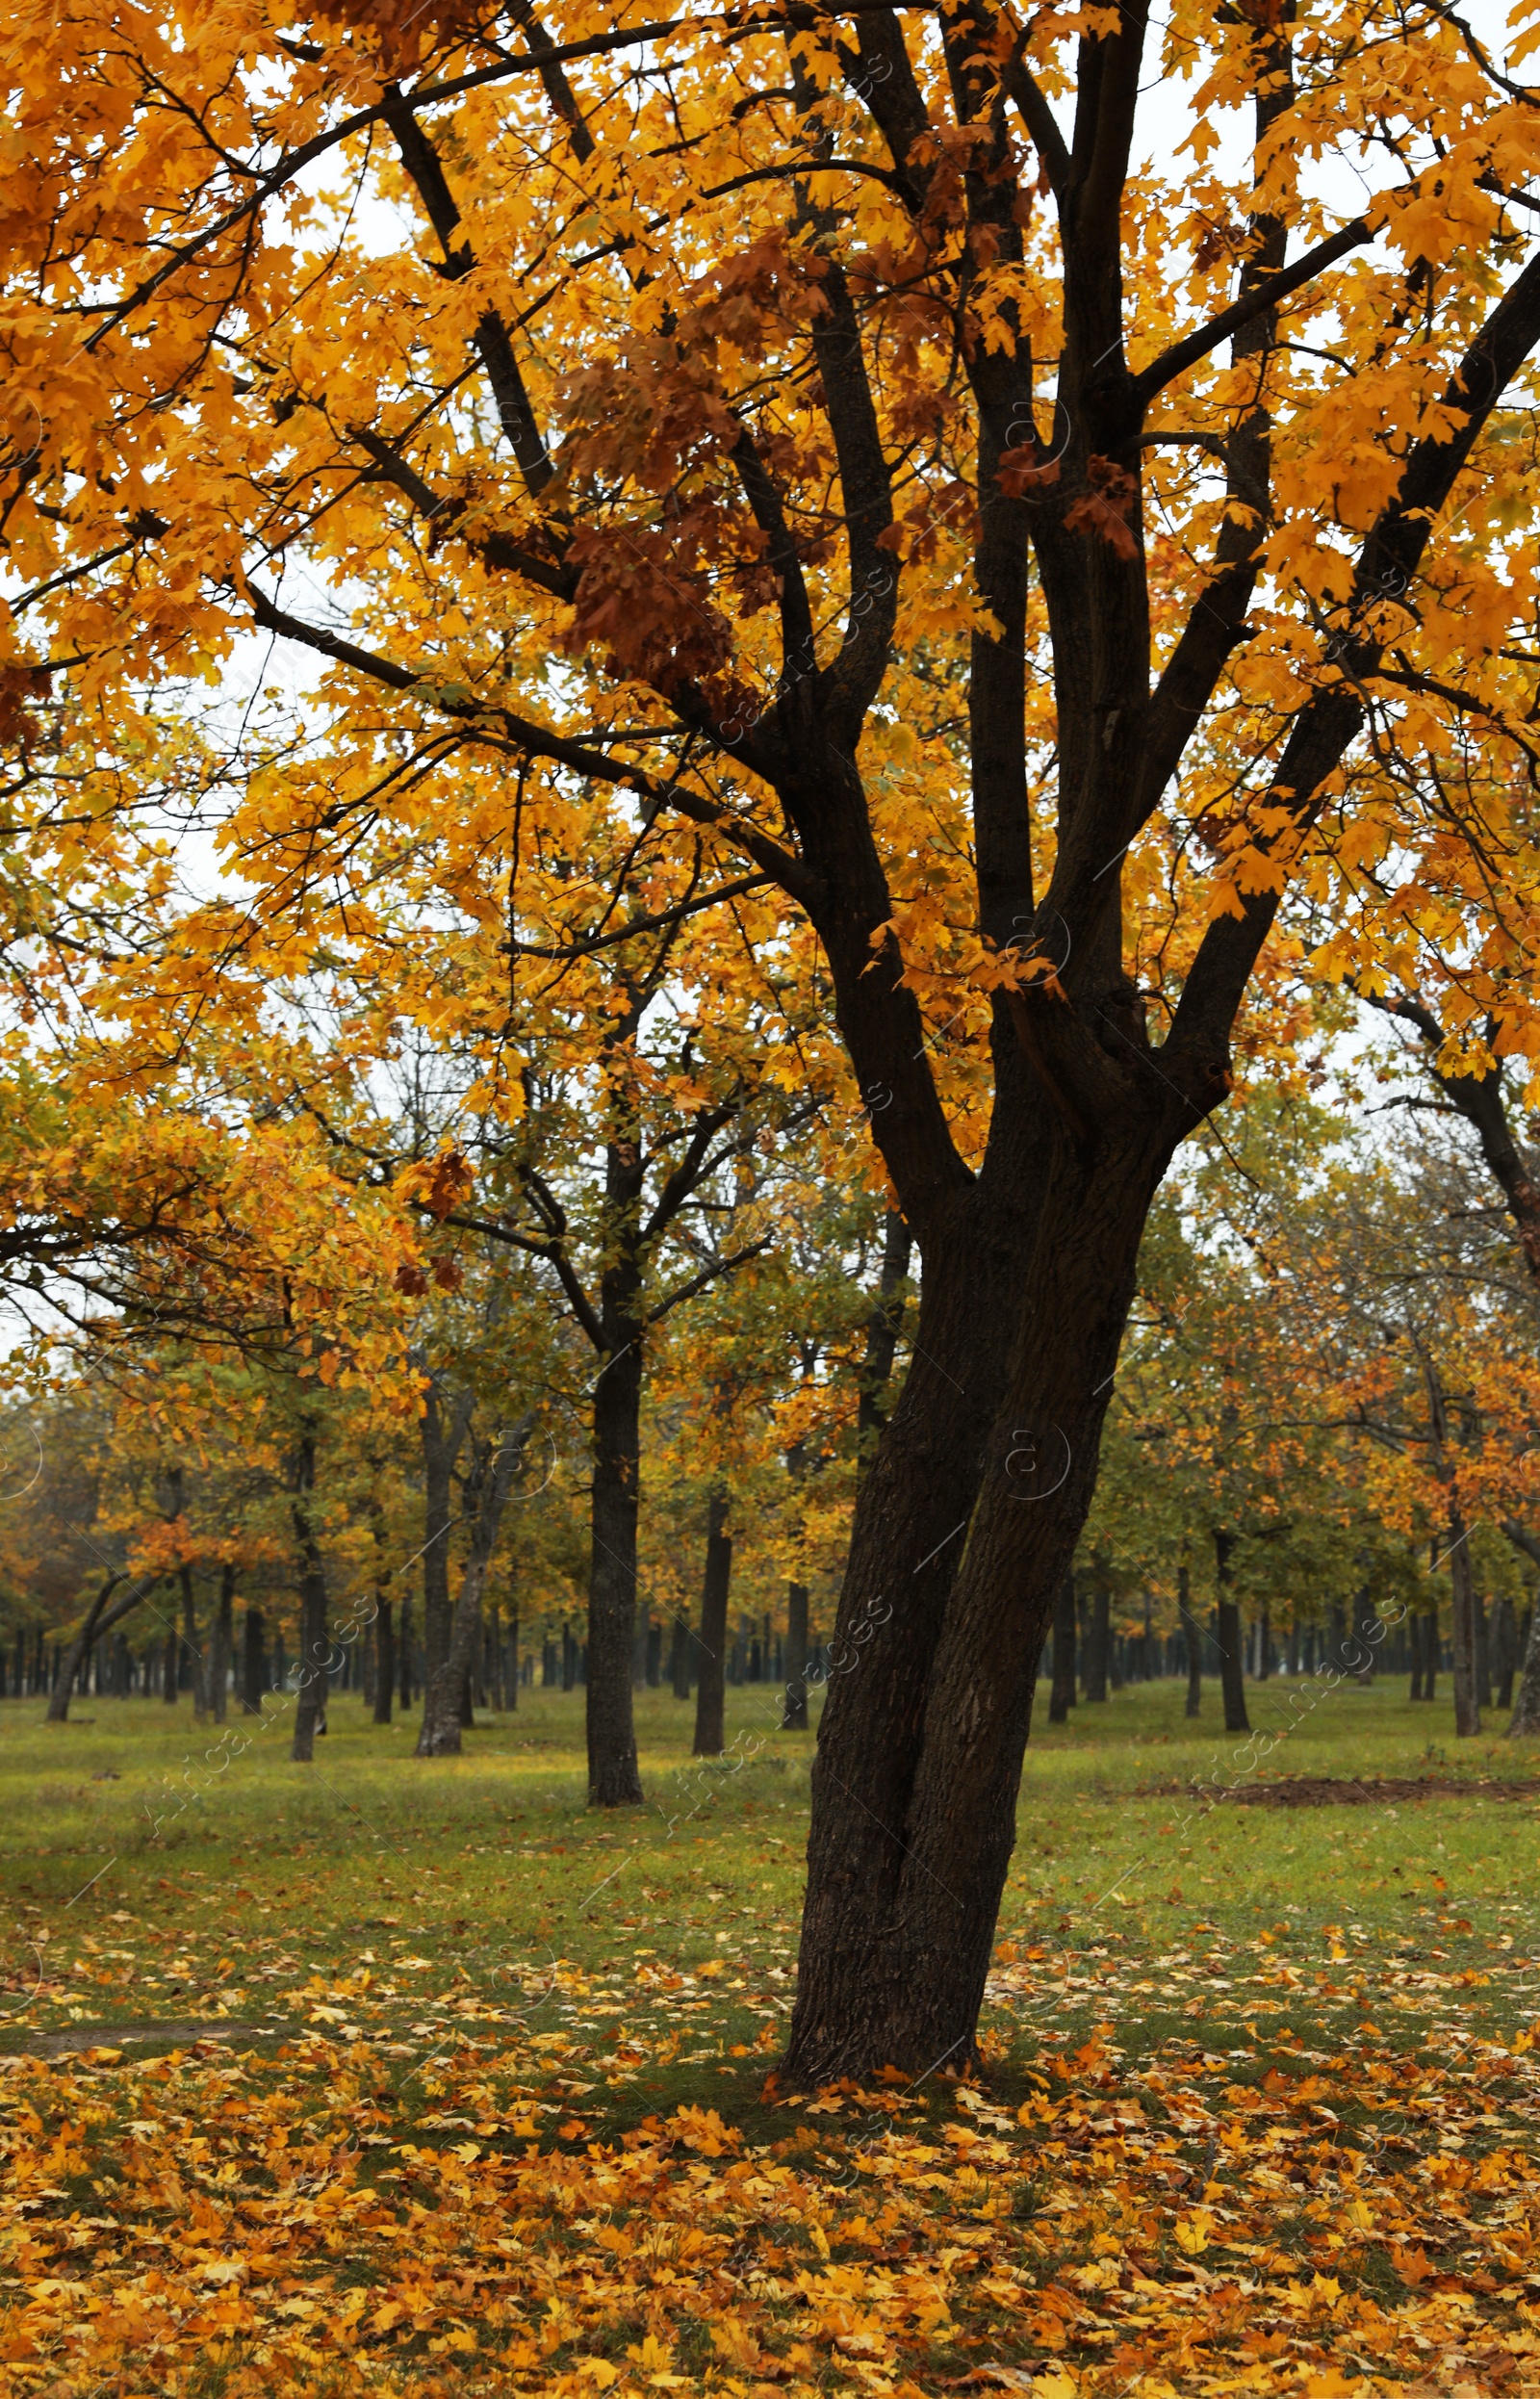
(840, 397)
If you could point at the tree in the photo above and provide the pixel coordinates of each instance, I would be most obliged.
(759, 307)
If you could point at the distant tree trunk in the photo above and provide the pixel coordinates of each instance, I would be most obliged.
(794, 1713)
(678, 1657)
(314, 1647)
(710, 1704)
(100, 1617)
(1413, 1637)
(251, 1663)
(224, 1646)
(1195, 1640)
(1061, 1696)
(1232, 1681)
(444, 1422)
(171, 1667)
(494, 1465)
(1483, 1651)
(1098, 1648)
(1524, 1722)
(1467, 1709)
(1508, 1651)
(405, 1652)
(190, 1635)
(1430, 1648)
(384, 1661)
(1264, 1644)
(614, 1780)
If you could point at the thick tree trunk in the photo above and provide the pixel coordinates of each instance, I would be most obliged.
(710, 1695)
(614, 1778)
(1099, 1647)
(487, 1490)
(251, 1663)
(794, 1713)
(1062, 1694)
(1467, 1711)
(918, 1771)
(384, 1661)
(1232, 1678)
(314, 1646)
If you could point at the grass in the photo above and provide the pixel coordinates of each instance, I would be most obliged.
(153, 1874)
(405, 1953)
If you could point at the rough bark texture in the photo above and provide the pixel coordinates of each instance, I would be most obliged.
(1099, 1632)
(614, 1778)
(710, 1693)
(1062, 1694)
(794, 1713)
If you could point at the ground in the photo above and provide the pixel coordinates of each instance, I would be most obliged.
(387, 2076)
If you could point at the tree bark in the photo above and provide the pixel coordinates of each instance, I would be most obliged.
(1062, 1694)
(1483, 1651)
(1430, 1645)
(614, 1778)
(1508, 1651)
(493, 1469)
(883, 1328)
(404, 1650)
(710, 1696)
(384, 1660)
(1414, 1636)
(314, 1646)
(1232, 1678)
(794, 1712)
(1467, 1711)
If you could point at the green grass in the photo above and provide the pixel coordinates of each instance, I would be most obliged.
(183, 1891)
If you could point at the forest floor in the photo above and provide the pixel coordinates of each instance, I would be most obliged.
(388, 2075)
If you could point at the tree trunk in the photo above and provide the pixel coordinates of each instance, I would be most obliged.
(1524, 1722)
(614, 1778)
(678, 1657)
(384, 1661)
(171, 1668)
(1414, 1638)
(794, 1713)
(1232, 1682)
(404, 1654)
(189, 1637)
(1430, 1645)
(1098, 1648)
(314, 1647)
(1467, 1711)
(1508, 1651)
(1062, 1695)
(923, 1729)
(224, 1646)
(1483, 1652)
(883, 1328)
(446, 1420)
(710, 1698)
(1194, 1641)
(251, 1663)
(100, 1618)
(493, 1469)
